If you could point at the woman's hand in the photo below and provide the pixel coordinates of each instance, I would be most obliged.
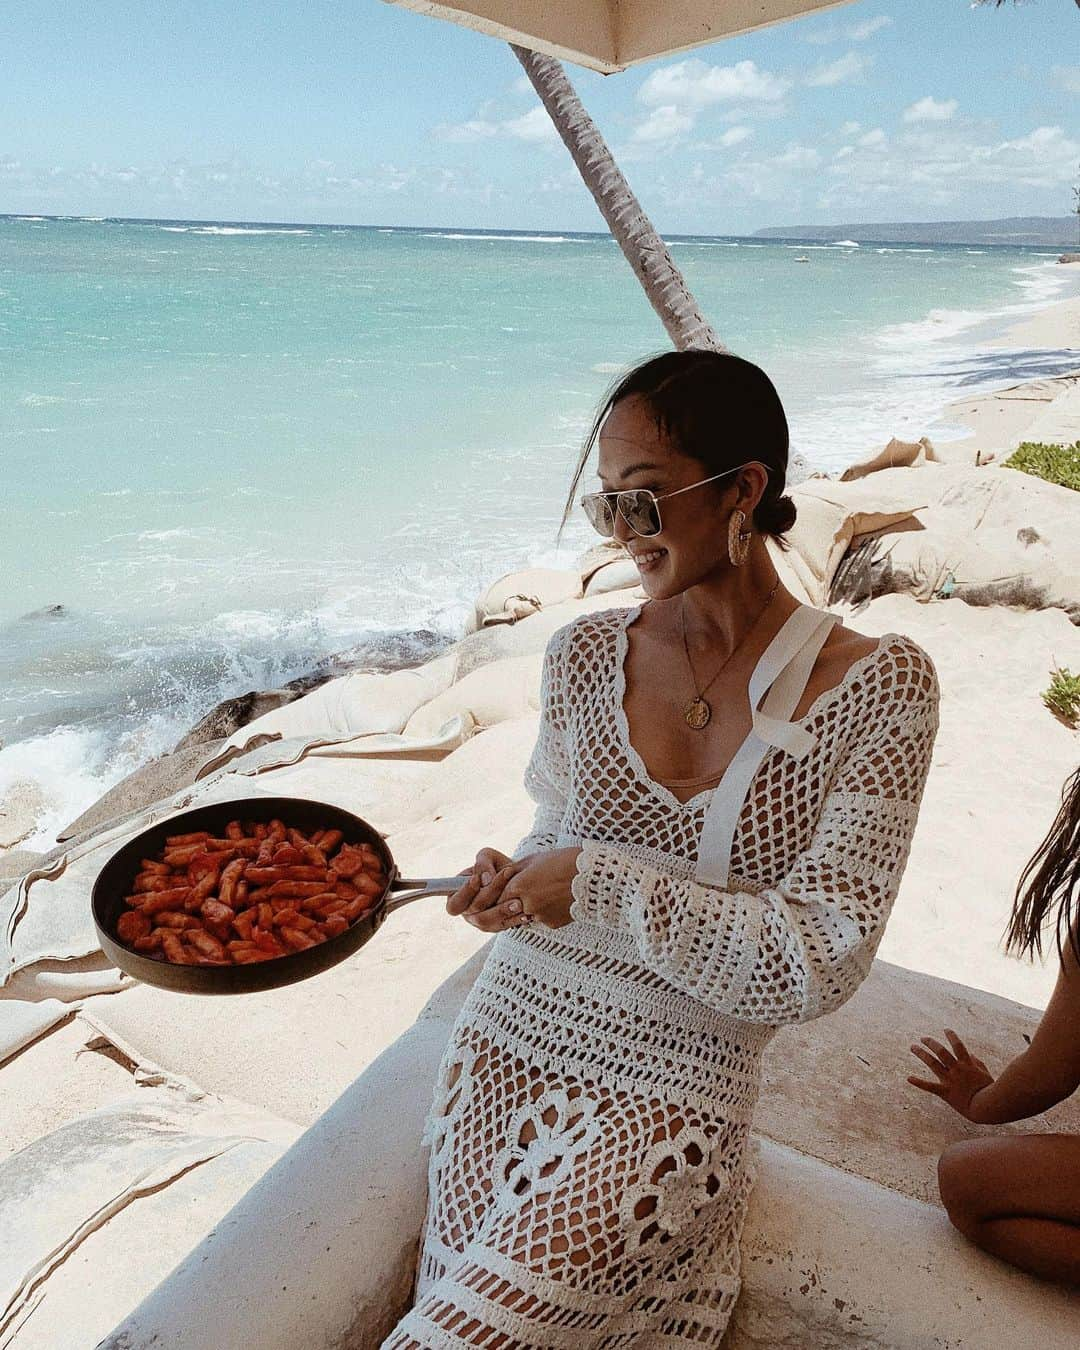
(960, 1076)
(489, 861)
(538, 885)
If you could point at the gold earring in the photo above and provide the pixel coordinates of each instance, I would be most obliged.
(738, 541)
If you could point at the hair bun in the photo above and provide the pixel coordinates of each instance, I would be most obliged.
(775, 517)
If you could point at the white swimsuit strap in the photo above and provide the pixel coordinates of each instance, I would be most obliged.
(772, 721)
(782, 674)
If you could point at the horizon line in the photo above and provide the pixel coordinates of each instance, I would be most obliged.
(521, 230)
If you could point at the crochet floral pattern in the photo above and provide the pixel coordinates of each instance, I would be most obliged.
(547, 1135)
(684, 1173)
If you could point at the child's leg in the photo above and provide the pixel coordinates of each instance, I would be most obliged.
(1018, 1198)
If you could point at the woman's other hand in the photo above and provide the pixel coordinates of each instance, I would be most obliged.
(488, 862)
(538, 885)
(960, 1076)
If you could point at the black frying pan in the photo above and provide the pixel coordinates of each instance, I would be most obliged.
(117, 878)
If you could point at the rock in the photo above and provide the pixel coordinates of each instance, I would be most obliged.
(519, 639)
(799, 469)
(233, 713)
(391, 651)
(394, 651)
(1069, 257)
(21, 807)
(150, 783)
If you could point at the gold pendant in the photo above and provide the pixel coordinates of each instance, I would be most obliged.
(698, 713)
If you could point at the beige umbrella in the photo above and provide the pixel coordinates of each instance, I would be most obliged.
(609, 35)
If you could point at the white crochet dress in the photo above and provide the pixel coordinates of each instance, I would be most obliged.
(589, 1131)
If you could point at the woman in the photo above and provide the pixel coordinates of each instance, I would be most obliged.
(726, 782)
(1018, 1197)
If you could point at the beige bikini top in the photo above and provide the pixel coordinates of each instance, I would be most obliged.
(707, 780)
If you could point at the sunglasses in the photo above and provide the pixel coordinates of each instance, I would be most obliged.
(639, 507)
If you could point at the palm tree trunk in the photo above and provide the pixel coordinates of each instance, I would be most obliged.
(645, 251)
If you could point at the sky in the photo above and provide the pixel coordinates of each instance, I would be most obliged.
(360, 112)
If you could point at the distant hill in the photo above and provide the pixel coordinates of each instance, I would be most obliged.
(1051, 231)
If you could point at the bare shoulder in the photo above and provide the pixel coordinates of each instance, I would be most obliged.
(895, 666)
(845, 646)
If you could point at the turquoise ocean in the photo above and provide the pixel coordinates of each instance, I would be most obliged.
(228, 450)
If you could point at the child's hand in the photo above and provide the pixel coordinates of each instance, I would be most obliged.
(960, 1075)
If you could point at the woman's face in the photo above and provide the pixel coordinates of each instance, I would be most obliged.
(692, 542)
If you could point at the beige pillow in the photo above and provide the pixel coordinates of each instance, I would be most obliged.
(831, 514)
(896, 455)
(519, 594)
(493, 693)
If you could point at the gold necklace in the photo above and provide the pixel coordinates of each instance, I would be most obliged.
(698, 712)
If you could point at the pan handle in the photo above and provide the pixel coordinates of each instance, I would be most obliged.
(433, 886)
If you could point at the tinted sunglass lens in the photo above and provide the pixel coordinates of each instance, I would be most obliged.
(598, 511)
(640, 513)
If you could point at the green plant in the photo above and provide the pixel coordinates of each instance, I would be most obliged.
(1063, 695)
(1056, 463)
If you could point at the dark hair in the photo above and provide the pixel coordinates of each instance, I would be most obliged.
(1052, 880)
(717, 409)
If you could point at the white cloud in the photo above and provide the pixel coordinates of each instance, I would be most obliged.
(535, 125)
(663, 124)
(1066, 77)
(852, 32)
(692, 85)
(850, 128)
(1043, 157)
(859, 32)
(225, 186)
(387, 178)
(929, 109)
(759, 112)
(679, 93)
(931, 167)
(558, 184)
(460, 133)
(772, 177)
(848, 67)
(873, 139)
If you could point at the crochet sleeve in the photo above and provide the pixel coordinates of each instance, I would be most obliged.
(547, 775)
(801, 948)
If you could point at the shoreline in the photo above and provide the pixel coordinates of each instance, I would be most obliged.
(997, 419)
